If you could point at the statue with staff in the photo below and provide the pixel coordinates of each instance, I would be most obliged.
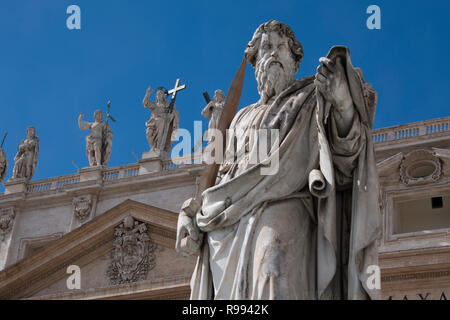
(99, 140)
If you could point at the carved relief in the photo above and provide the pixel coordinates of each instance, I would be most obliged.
(82, 206)
(6, 221)
(133, 254)
(420, 167)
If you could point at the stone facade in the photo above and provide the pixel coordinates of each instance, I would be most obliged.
(413, 164)
(81, 219)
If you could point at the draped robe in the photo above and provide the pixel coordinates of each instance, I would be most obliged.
(278, 236)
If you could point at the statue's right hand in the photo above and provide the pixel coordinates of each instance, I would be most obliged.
(81, 115)
(189, 237)
(149, 91)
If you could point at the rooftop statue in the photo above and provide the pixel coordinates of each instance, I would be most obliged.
(25, 161)
(214, 108)
(163, 123)
(99, 140)
(3, 165)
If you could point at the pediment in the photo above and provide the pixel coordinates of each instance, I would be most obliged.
(89, 246)
(401, 167)
(389, 167)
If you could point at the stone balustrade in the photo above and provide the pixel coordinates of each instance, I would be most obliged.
(411, 130)
(52, 183)
(120, 172)
(108, 175)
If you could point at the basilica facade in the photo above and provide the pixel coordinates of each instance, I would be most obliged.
(109, 233)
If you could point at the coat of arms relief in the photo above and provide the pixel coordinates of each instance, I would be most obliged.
(133, 255)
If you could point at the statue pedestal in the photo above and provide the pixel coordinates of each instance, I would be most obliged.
(91, 173)
(16, 185)
(152, 161)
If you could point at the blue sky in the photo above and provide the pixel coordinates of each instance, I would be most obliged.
(49, 74)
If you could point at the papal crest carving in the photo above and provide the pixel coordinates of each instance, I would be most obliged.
(133, 254)
(6, 221)
(82, 206)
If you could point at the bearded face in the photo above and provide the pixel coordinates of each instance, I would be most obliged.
(275, 66)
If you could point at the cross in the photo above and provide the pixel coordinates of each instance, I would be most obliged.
(177, 88)
(171, 104)
(174, 94)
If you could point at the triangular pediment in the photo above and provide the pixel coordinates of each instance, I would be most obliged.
(390, 166)
(89, 246)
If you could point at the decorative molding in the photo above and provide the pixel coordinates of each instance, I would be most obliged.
(7, 216)
(415, 276)
(420, 167)
(133, 254)
(26, 243)
(82, 206)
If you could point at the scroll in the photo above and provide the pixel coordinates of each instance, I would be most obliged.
(318, 184)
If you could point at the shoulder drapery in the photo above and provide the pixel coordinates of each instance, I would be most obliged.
(338, 159)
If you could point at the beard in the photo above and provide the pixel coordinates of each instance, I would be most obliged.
(273, 76)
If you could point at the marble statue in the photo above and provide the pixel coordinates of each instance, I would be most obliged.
(213, 109)
(308, 231)
(3, 165)
(163, 124)
(99, 140)
(25, 161)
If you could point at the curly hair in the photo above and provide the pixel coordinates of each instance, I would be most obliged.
(283, 30)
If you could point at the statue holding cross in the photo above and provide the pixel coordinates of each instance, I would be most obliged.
(163, 124)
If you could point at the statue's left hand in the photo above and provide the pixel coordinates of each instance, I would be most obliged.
(332, 83)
